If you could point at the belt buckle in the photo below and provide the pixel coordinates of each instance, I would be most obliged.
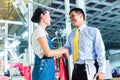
(75, 65)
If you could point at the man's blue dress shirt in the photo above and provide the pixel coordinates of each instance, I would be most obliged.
(91, 46)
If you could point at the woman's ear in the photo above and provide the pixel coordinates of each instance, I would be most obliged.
(41, 16)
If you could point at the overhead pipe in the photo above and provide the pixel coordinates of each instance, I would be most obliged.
(46, 7)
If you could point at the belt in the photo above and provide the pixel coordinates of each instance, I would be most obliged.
(81, 66)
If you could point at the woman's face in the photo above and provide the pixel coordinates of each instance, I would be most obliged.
(47, 18)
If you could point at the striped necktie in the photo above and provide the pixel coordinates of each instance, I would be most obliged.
(75, 55)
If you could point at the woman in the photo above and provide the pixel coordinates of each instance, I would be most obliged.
(44, 68)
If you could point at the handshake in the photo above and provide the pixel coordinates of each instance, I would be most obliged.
(65, 52)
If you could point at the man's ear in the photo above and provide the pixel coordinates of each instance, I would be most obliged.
(81, 15)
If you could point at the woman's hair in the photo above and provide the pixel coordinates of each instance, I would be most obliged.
(78, 10)
(36, 15)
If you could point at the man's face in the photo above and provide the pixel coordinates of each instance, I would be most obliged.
(75, 18)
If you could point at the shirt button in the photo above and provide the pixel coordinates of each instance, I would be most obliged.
(42, 60)
(41, 68)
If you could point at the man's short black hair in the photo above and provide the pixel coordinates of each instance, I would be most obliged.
(78, 10)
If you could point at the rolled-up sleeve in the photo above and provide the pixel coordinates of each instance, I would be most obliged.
(67, 45)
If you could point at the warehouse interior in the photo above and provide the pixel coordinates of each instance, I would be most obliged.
(16, 29)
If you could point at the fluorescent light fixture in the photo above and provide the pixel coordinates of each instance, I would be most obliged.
(2, 54)
(114, 51)
(3, 28)
(15, 43)
(0, 38)
(25, 34)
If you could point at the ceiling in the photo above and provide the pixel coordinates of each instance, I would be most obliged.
(103, 14)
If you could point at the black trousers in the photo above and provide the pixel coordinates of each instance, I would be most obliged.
(79, 72)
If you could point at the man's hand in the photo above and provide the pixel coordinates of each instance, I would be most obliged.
(100, 76)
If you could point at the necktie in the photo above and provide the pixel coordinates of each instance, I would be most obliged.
(75, 55)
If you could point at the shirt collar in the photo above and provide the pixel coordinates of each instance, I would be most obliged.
(82, 27)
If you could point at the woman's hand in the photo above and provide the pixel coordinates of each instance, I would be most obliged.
(66, 53)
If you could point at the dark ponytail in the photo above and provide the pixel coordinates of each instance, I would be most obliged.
(36, 15)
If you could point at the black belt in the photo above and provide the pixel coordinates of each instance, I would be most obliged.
(79, 66)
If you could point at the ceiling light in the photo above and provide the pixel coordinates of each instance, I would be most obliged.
(8, 1)
(0, 38)
(15, 43)
(25, 34)
(1, 33)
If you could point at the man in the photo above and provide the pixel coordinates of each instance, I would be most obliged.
(90, 46)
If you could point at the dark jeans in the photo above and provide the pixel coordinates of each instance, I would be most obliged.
(79, 72)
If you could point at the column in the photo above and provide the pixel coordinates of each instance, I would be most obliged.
(68, 28)
(5, 48)
(30, 30)
(81, 4)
